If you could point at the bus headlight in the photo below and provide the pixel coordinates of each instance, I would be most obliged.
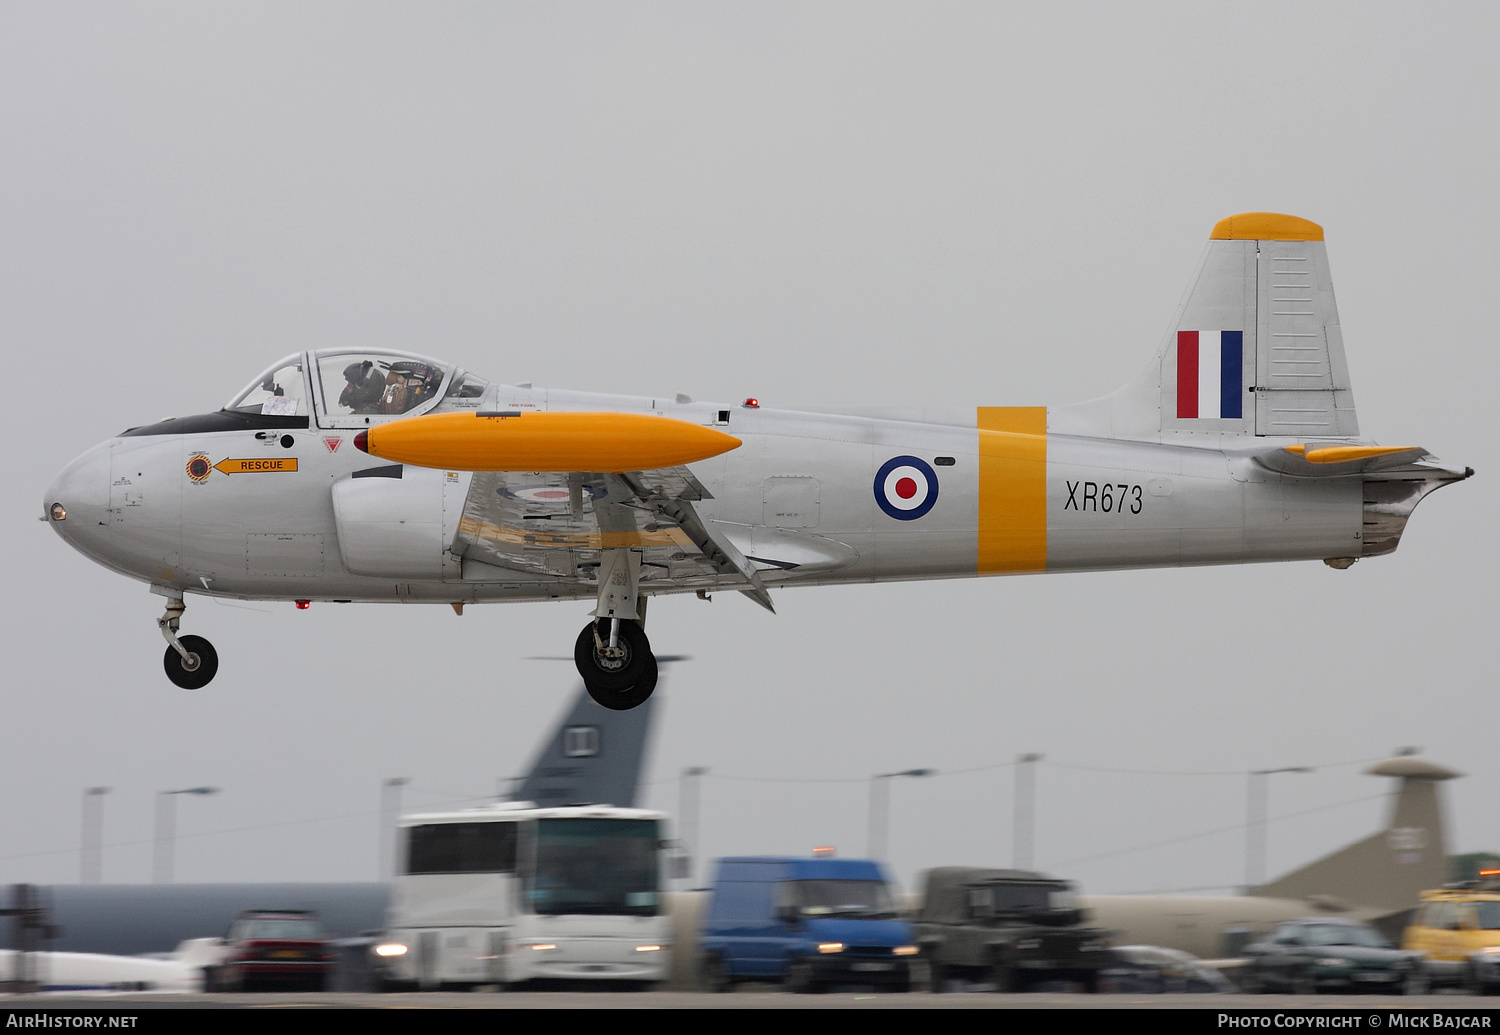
(390, 949)
(905, 950)
(648, 948)
(830, 947)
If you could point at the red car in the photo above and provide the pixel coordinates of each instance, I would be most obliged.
(279, 949)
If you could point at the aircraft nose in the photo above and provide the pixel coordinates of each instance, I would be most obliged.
(78, 497)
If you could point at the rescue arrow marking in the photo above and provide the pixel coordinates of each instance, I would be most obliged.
(256, 466)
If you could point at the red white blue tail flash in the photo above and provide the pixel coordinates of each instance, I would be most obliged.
(1210, 372)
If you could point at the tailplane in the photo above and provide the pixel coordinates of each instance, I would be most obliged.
(1255, 348)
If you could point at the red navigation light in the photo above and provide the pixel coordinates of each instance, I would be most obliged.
(303, 605)
(360, 440)
(752, 404)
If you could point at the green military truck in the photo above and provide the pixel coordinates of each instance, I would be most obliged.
(1013, 928)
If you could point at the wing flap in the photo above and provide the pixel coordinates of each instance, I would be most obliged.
(555, 524)
(712, 543)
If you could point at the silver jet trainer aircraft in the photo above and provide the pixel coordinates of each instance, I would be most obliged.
(382, 476)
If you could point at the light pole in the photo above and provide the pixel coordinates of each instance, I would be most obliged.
(1024, 841)
(91, 856)
(689, 792)
(1256, 847)
(390, 812)
(166, 829)
(880, 807)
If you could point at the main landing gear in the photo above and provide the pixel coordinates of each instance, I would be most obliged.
(615, 660)
(190, 661)
(612, 653)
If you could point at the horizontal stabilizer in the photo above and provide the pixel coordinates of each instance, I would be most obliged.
(1337, 459)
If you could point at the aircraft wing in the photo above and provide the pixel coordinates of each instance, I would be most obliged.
(555, 524)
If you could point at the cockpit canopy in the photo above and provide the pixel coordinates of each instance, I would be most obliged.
(357, 387)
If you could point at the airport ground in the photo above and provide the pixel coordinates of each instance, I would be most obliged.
(749, 998)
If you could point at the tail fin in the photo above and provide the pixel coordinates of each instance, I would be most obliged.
(1255, 348)
(594, 756)
(1390, 869)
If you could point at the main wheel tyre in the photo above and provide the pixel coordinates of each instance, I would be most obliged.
(619, 672)
(630, 697)
(196, 670)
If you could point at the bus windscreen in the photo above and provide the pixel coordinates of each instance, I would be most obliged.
(595, 866)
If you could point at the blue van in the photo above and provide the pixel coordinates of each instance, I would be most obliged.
(809, 922)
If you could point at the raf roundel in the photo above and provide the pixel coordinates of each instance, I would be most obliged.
(549, 495)
(906, 487)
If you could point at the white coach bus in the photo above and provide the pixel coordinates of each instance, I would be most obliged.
(511, 892)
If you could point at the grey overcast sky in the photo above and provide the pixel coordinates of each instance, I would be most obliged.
(819, 204)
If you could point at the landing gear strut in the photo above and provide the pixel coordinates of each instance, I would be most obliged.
(190, 661)
(612, 653)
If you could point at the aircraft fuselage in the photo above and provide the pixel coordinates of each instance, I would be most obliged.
(800, 497)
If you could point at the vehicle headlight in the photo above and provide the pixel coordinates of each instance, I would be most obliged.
(1332, 961)
(1491, 950)
(830, 947)
(541, 946)
(1029, 943)
(390, 949)
(649, 948)
(905, 950)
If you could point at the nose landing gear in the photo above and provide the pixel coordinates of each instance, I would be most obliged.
(191, 661)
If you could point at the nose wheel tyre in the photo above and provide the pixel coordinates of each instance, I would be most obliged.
(196, 670)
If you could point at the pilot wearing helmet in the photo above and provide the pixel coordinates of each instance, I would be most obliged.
(366, 385)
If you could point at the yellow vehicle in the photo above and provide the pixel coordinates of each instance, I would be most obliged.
(1458, 929)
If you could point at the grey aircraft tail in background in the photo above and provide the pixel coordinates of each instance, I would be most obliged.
(1376, 880)
(595, 757)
